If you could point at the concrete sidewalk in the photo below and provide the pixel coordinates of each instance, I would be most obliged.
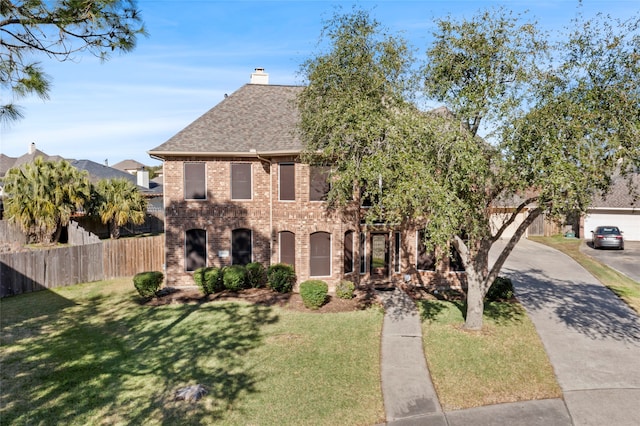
(591, 338)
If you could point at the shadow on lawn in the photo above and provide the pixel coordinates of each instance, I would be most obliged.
(110, 360)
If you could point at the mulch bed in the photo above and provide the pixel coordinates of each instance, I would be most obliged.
(362, 299)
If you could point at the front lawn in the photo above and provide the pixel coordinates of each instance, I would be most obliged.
(91, 354)
(505, 362)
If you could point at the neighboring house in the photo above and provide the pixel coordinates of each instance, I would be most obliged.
(620, 207)
(235, 191)
(129, 166)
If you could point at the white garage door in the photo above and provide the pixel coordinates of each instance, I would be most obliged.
(629, 223)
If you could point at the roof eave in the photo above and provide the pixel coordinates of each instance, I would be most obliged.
(248, 154)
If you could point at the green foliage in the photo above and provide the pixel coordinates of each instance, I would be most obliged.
(500, 290)
(41, 197)
(281, 277)
(58, 30)
(148, 283)
(117, 202)
(256, 275)
(345, 289)
(314, 293)
(209, 279)
(235, 277)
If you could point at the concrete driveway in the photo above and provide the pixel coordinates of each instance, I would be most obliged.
(626, 261)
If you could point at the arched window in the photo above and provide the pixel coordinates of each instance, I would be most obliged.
(320, 254)
(348, 252)
(241, 252)
(195, 249)
(288, 248)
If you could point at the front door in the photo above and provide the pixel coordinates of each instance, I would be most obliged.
(379, 255)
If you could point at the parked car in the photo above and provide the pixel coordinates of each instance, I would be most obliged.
(607, 236)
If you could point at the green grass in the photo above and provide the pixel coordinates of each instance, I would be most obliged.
(90, 354)
(506, 362)
(623, 286)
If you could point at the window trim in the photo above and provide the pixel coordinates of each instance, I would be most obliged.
(184, 179)
(281, 245)
(250, 241)
(250, 181)
(280, 181)
(330, 255)
(185, 254)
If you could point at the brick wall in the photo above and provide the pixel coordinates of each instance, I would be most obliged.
(219, 216)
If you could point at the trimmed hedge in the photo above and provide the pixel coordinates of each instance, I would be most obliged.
(209, 279)
(147, 283)
(314, 293)
(345, 289)
(256, 275)
(235, 277)
(281, 277)
(501, 289)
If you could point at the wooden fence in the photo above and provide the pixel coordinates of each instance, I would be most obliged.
(35, 270)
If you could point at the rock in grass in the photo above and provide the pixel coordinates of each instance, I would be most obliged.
(191, 393)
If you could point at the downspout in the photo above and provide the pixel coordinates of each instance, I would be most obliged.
(271, 236)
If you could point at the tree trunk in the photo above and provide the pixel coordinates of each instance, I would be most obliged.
(475, 301)
(114, 230)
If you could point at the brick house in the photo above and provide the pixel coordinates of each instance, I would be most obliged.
(235, 191)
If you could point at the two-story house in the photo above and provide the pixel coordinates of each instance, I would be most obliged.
(235, 191)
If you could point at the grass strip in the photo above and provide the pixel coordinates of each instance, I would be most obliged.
(623, 286)
(505, 362)
(91, 354)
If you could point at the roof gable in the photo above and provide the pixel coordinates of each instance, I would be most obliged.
(255, 118)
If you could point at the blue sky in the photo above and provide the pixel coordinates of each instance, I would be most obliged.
(198, 50)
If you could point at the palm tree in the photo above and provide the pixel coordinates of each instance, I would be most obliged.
(117, 202)
(42, 196)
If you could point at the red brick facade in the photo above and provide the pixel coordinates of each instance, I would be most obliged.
(266, 216)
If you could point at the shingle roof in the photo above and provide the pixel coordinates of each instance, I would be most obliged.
(99, 171)
(255, 117)
(620, 195)
(125, 165)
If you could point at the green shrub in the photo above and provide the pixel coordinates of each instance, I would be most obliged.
(501, 289)
(281, 277)
(209, 279)
(147, 283)
(256, 275)
(314, 293)
(235, 277)
(345, 289)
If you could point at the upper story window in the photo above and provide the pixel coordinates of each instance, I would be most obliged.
(195, 182)
(287, 181)
(318, 183)
(241, 181)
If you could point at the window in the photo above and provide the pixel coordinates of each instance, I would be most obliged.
(195, 187)
(287, 182)
(348, 252)
(288, 248)
(195, 249)
(455, 261)
(363, 252)
(426, 261)
(241, 246)
(318, 183)
(241, 181)
(320, 254)
(396, 253)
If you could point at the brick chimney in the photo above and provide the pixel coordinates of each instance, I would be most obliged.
(259, 76)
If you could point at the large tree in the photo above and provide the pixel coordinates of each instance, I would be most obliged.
(42, 196)
(57, 29)
(563, 120)
(118, 202)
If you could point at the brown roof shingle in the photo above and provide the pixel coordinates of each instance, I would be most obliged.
(255, 118)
